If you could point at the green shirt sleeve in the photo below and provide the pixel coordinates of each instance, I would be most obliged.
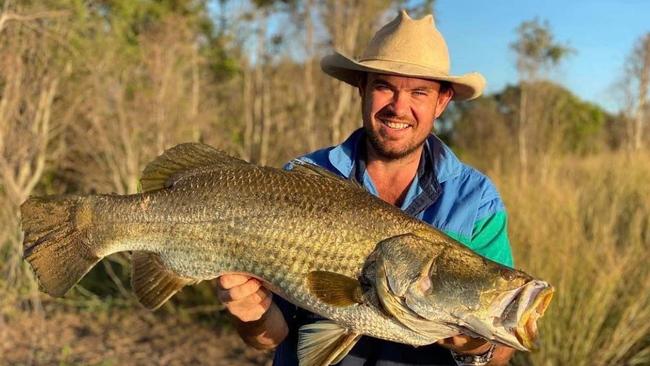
(490, 238)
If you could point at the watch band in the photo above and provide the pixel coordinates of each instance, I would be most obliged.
(474, 360)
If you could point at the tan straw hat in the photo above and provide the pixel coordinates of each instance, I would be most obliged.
(405, 47)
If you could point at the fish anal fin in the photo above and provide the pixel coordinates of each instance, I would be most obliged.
(324, 343)
(335, 289)
(344, 347)
(180, 160)
(152, 282)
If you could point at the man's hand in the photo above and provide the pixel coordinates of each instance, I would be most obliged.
(465, 344)
(258, 320)
(477, 346)
(244, 297)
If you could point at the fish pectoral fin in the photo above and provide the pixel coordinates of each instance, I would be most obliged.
(335, 289)
(152, 282)
(324, 343)
(179, 160)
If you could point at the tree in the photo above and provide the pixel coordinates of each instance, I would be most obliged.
(31, 71)
(480, 132)
(349, 24)
(566, 125)
(637, 82)
(536, 52)
(135, 90)
(90, 91)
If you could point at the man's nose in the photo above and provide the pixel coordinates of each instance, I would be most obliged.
(400, 103)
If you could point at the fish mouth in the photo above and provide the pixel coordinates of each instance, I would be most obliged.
(512, 318)
(532, 302)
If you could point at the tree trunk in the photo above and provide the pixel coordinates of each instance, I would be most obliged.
(345, 31)
(308, 85)
(248, 112)
(259, 112)
(522, 133)
(644, 83)
(196, 95)
(266, 121)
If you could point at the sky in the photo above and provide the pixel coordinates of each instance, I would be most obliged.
(602, 33)
(479, 33)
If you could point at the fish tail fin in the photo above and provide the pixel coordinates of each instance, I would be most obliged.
(56, 241)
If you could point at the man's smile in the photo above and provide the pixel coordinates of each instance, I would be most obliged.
(394, 125)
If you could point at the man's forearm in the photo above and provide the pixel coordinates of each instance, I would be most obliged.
(265, 333)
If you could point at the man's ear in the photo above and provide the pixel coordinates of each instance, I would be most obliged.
(444, 97)
(362, 81)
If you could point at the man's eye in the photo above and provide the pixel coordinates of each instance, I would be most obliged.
(381, 87)
(420, 93)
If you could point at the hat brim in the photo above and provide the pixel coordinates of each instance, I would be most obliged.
(339, 66)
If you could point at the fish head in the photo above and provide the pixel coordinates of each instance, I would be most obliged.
(421, 282)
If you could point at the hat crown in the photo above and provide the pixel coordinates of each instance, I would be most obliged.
(406, 47)
(410, 41)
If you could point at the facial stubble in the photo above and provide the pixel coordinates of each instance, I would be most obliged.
(382, 150)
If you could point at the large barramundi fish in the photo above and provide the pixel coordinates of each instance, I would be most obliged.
(317, 240)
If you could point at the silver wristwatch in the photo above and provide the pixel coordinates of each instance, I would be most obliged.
(474, 360)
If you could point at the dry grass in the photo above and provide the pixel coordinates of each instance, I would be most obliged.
(586, 229)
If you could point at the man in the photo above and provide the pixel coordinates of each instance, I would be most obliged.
(404, 83)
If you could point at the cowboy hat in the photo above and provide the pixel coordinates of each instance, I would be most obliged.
(405, 47)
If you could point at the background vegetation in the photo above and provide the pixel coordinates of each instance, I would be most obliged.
(90, 91)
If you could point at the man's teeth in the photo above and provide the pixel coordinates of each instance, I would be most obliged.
(396, 126)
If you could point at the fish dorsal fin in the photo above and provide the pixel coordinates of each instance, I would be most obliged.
(179, 160)
(335, 289)
(324, 343)
(305, 167)
(152, 283)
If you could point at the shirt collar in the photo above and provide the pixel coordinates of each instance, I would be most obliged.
(446, 164)
(343, 156)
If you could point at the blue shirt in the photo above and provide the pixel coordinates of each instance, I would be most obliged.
(449, 195)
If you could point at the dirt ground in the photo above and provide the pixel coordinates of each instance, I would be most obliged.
(122, 337)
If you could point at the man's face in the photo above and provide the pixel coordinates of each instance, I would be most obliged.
(398, 112)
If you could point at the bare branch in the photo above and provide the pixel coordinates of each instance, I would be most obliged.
(7, 17)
